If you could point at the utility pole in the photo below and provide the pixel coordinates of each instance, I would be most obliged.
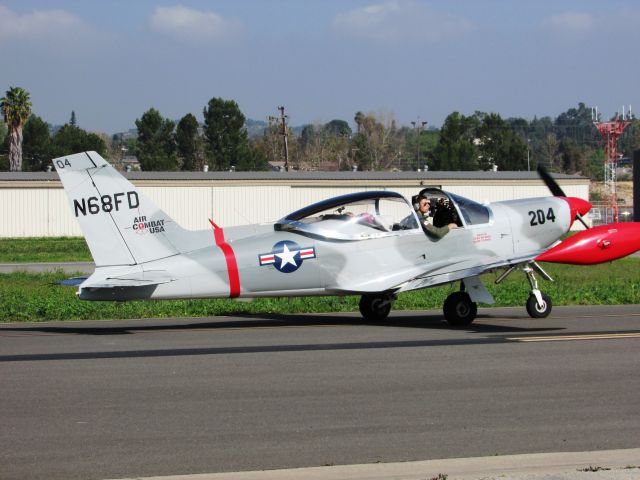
(418, 127)
(285, 135)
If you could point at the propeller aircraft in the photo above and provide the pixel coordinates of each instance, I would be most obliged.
(370, 244)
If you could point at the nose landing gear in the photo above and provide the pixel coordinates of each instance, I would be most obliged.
(538, 304)
(539, 308)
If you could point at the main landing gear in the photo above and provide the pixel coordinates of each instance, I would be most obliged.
(375, 307)
(538, 304)
(459, 310)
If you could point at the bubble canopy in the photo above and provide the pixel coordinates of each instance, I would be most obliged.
(354, 216)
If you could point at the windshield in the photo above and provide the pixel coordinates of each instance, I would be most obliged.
(472, 212)
(353, 216)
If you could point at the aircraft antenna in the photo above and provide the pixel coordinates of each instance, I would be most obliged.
(611, 132)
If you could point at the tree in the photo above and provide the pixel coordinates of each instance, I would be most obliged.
(3, 131)
(188, 143)
(378, 145)
(595, 165)
(361, 152)
(251, 159)
(549, 151)
(36, 145)
(575, 158)
(456, 149)
(499, 145)
(16, 108)
(577, 124)
(270, 143)
(419, 145)
(226, 135)
(325, 147)
(337, 127)
(359, 119)
(69, 139)
(155, 148)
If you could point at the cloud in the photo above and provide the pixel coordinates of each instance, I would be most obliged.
(396, 21)
(571, 22)
(193, 25)
(39, 24)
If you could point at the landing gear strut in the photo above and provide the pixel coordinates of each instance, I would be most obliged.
(376, 307)
(538, 304)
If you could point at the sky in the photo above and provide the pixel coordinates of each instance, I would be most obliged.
(410, 60)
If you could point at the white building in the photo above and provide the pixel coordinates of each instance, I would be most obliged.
(35, 205)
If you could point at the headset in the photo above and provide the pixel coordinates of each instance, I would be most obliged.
(416, 202)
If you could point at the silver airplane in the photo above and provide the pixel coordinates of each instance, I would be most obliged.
(370, 244)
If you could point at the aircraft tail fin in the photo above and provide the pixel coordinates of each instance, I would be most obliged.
(120, 224)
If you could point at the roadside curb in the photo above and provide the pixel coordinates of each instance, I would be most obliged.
(597, 465)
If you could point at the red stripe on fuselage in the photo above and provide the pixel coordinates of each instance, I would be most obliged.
(230, 258)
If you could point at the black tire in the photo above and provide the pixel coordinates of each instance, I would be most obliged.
(539, 311)
(375, 308)
(459, 310)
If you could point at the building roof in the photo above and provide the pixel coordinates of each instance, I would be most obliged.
(296, 176)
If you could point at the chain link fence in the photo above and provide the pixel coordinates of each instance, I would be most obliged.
(600, 214)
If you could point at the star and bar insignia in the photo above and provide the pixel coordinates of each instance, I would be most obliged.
(287, 256)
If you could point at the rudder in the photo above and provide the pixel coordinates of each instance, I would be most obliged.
(120, 224)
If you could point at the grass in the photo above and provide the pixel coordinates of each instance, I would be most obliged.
(35, 297)
(47, 249)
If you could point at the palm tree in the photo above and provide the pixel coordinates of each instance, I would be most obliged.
(16, 108)
(359, 119)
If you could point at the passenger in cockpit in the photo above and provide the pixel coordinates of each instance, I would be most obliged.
(444, 213)
(424, 208)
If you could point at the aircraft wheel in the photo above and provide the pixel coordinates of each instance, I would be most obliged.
(375, 308)
(539, 311)
(459, 310)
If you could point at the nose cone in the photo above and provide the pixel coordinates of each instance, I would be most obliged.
(578, 206)
(596, 245)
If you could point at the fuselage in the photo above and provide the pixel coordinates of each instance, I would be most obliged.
(319, 258)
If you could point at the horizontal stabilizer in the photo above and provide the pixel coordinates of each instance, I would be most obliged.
(71, 282)
(137, 279)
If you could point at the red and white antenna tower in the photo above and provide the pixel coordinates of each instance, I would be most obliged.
(610, 132)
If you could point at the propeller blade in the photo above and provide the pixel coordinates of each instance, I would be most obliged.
(579, 217)
(550, 182)
(556, 190)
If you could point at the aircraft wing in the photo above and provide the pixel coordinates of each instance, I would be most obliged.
(435, 278)
(433, 274)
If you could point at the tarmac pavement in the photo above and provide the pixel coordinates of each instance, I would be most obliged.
(622, 464)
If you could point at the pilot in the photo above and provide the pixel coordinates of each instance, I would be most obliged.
(424, 206)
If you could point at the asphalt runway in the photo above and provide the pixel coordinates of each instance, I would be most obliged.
(112, 399)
